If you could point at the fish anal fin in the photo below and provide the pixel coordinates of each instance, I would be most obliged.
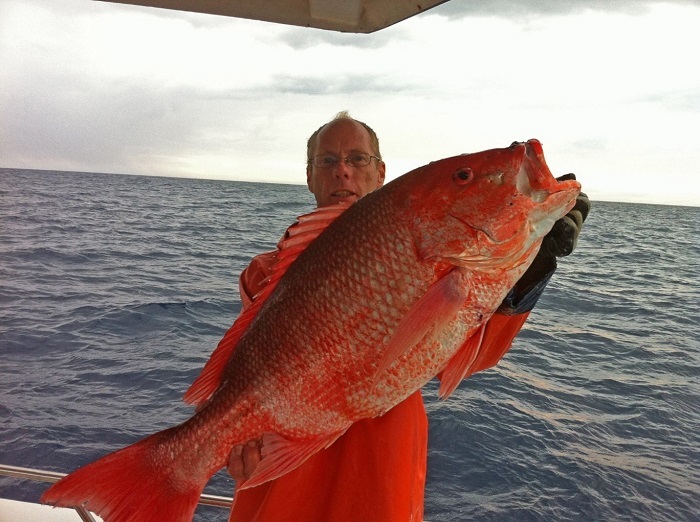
(281, 455)
(434, 310)
(459, 365)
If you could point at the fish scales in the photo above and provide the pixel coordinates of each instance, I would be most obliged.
(337, 280)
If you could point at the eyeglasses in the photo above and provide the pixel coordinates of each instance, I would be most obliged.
(327, 161)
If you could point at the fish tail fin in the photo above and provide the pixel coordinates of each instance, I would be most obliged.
(138, 483)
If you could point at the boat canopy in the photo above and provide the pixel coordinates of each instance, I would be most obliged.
(350, 16)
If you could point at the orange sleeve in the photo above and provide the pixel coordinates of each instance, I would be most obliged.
(251, 279)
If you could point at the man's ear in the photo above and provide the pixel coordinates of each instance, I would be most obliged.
(381, 167)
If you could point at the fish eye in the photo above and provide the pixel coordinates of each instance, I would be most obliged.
(463, 176)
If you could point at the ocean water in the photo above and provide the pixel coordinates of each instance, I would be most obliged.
(115, 289)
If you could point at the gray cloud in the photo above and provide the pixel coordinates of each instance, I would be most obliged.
(529, 9)
(67, 103)
(684, 100)
(109, 123)
(352, 83)
(516, 10)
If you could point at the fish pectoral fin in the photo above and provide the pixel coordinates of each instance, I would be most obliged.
(281, 455)
(433, 311)
(459, 365)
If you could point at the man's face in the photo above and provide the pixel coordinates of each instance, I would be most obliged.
(342, 182)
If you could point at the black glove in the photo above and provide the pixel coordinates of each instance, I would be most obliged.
(559, 242)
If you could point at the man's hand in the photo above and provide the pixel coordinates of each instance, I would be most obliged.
(244, 459)
(561, 240)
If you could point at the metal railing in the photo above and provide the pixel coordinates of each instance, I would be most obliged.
(51, 477)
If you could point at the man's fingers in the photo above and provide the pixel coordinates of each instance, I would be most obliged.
(561, 240)
(235, 463)
(576, 217)
(251, 457)
(583, 205)
(243, 460)
(567, 177)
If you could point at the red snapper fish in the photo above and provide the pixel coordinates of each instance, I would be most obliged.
(367, 304)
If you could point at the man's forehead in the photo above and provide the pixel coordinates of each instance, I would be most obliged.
(344, 132)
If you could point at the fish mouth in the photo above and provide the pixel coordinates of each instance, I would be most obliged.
(550, 198)
(536, 181)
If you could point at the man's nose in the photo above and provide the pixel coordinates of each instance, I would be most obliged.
(342, 169)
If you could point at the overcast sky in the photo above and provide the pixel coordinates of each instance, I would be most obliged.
(611, 88)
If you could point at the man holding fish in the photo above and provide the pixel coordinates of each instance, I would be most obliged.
(377, 469)
(311, 398)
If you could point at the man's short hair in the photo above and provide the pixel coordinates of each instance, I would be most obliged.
(343, 115)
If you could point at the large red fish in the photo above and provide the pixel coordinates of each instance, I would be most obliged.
(367, 304)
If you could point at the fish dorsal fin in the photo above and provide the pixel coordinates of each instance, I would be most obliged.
(281, 455)
(460, 363)
(295, 240)
(211, 375)
(437, 307)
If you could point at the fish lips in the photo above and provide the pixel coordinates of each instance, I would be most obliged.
(551, 199)
(536, 181)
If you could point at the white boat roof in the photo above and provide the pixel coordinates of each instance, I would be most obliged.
(353, 16)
